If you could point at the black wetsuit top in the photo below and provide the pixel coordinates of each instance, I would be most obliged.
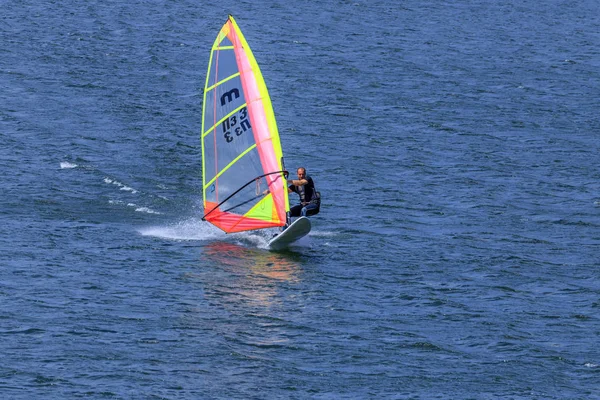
(306, 192)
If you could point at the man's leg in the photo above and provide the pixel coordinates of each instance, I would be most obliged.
(307, 209)
(296, 210)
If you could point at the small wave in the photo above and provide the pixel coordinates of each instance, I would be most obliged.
(120, 185)
(253, 238)
(67, 165)
(147, 210)
(142, 209)
(133, 205)
(323, 233)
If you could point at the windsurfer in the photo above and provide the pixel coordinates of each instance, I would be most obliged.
(310, 199)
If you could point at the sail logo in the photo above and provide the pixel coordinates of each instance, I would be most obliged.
(237, 123)
(229, 96)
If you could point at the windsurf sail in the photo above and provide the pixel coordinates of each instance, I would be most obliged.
(243, 179)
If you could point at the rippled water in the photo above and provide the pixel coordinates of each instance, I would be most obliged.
(456, 255)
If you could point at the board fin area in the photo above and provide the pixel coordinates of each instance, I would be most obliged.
(297, 230)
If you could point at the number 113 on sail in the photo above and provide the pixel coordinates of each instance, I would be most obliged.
(231, 122)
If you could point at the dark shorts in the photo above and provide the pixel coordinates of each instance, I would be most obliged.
(311, 209)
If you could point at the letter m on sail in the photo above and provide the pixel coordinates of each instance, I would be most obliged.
(229, 96)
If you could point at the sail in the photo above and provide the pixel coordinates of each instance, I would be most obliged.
(241, 151)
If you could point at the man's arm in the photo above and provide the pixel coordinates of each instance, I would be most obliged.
(297, 182)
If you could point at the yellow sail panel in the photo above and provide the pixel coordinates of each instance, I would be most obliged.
(264, 210)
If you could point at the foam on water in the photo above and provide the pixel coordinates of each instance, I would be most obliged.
(146, 210)
(120, 185)
(322, 233)
(191, 229)
(67, 165)
(143, 209)
(195, 229)
(256, 239)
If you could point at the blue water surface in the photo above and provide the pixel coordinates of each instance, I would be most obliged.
(455, 145)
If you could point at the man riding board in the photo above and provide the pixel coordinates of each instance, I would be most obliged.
(310, 199)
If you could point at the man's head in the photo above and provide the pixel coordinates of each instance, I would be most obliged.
(301, 173)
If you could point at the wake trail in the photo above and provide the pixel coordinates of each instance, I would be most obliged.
(191, 229)
(126, 195)
(194, 229)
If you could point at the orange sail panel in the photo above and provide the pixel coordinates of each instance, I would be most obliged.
(243, 184)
